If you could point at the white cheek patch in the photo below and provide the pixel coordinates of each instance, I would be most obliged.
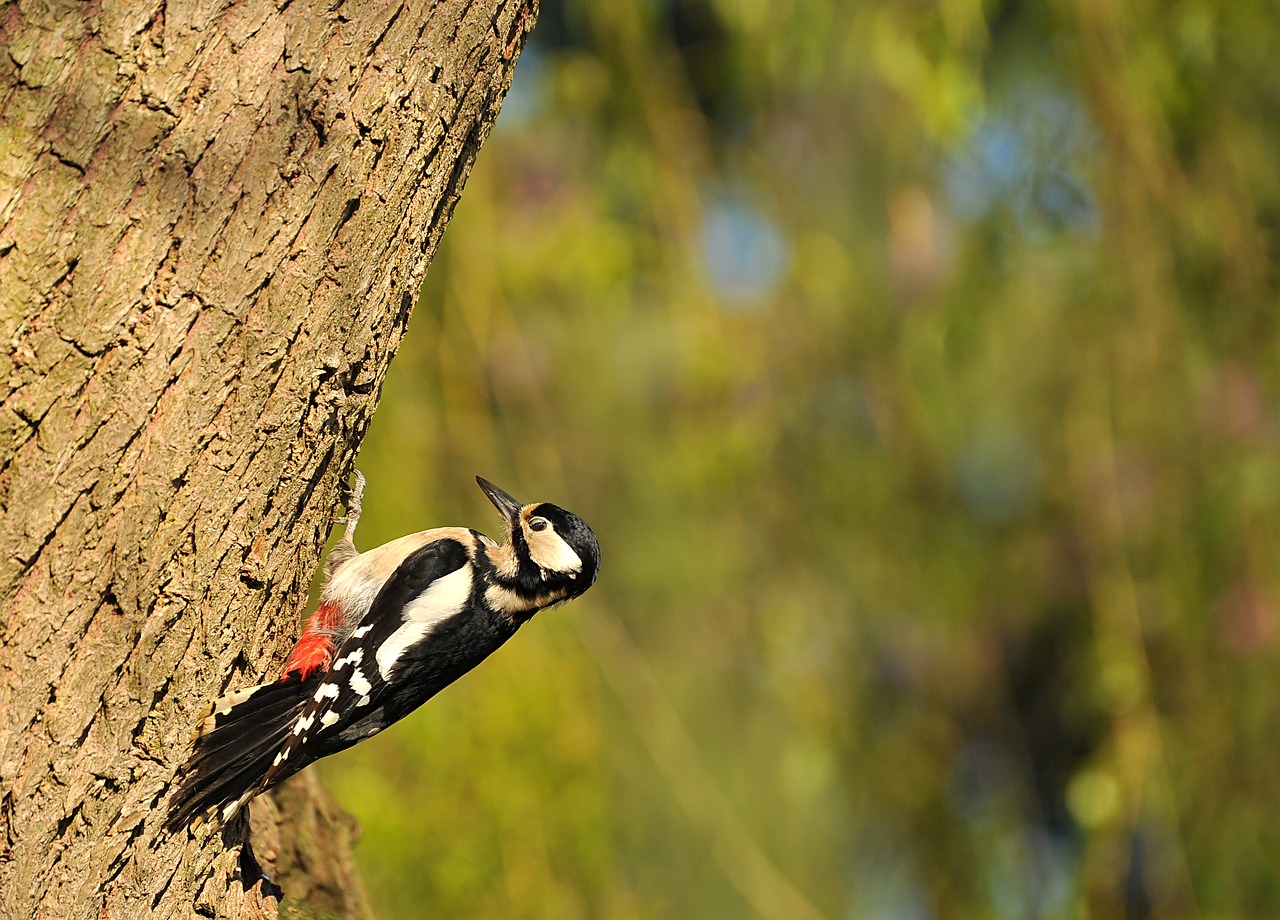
(445, 597)
(552, 554)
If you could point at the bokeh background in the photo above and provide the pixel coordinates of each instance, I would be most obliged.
(916, 364)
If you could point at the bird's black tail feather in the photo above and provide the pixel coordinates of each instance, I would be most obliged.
(236, 744)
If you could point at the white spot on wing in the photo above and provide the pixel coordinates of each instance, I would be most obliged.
(445, 597)
(324, 691)
(353, 658)
(361, 632)
(302, 725)
(359, 683)
(329, 718)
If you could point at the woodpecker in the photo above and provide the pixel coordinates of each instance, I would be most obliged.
(395, 626)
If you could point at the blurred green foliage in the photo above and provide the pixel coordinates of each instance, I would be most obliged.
(917, 366)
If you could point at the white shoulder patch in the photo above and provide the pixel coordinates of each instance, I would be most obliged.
(356, 584)
(445, 597)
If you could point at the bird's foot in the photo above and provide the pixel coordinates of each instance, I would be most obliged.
(355, 495)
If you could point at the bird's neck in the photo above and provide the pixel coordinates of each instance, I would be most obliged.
(515, 585)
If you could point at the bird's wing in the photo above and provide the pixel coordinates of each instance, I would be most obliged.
(431, 585)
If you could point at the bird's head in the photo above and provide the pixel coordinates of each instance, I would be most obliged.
(550, 552)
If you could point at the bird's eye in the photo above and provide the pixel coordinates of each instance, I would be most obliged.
(538, 525)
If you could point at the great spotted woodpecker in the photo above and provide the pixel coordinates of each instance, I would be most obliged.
(395, 625)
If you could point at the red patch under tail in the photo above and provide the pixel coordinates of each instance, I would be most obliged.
(314, 650)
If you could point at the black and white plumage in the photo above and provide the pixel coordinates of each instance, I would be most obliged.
(396, 624)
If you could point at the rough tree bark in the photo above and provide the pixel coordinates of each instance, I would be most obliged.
(214, 219)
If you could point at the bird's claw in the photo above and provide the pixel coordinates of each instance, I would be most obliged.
(355, 495)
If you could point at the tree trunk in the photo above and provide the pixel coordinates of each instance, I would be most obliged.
(214, 219)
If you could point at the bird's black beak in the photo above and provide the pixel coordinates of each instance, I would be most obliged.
(503, 501)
